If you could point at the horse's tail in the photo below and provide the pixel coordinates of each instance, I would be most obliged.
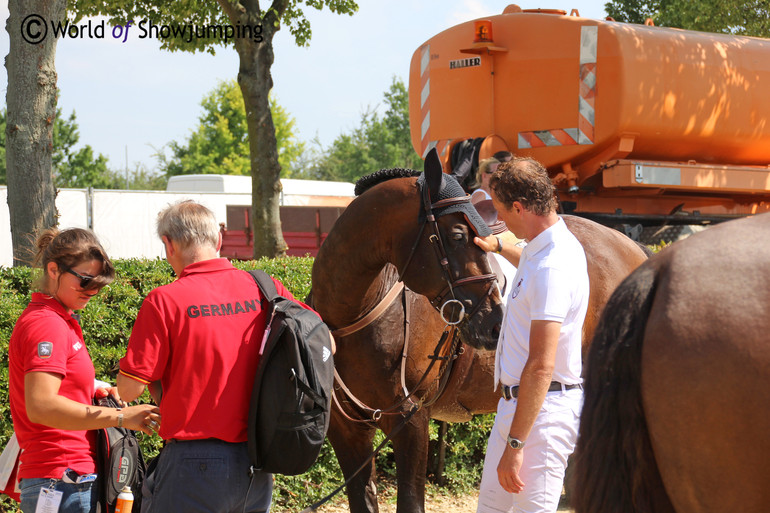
(615, 469)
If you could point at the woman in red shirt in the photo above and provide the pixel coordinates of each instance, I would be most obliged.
(51, 378)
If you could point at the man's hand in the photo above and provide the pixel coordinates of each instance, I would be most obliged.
(510, 252)
(508, 469)
(142, 417)
(488, 243)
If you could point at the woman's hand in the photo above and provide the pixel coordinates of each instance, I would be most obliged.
(113, 391)
(45, 406)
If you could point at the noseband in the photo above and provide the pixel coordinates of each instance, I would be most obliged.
(446, 298)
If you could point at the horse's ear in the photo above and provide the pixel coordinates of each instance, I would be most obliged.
(434, 175)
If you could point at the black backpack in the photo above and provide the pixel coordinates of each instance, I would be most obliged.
(120, 462)
(290, 402)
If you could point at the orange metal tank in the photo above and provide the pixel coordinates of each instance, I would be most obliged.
(603, 105)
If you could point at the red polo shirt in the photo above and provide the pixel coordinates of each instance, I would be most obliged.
(47, 338)
(200, 336)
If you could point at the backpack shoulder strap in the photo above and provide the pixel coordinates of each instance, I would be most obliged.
(265, 284)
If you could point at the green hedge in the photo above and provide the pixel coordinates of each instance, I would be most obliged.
(107, 323)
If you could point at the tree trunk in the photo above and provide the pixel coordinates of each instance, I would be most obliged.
(255, 81)
(31, 103)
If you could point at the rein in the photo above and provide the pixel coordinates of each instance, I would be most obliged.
(407, 417)
(373, 314)
(444, 372)
(375, 414)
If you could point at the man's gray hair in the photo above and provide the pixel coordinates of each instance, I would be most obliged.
(190, 224)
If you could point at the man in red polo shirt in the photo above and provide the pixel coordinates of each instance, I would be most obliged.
(199, 337)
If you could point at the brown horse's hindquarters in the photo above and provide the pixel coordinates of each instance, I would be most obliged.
(706, 387)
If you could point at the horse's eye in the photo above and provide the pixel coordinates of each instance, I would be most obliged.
(458, 236)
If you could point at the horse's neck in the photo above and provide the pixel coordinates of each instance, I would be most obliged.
(354, 291)
(354, 271)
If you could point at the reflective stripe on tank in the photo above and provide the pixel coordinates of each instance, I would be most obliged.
(584, 133)
(440, 145)
(425, 100)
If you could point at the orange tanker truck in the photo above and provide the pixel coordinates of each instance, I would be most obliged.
(638, 125)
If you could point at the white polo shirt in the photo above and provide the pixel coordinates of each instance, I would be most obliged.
(551, 284)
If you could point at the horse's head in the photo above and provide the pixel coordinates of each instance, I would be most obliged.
(439, 259)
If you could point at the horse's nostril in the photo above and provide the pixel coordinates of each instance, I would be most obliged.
(496, 331)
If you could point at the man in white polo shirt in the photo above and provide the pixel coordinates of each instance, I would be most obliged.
(538, 359)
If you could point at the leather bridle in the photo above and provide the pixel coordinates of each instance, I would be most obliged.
(440, 249)
(447, 348)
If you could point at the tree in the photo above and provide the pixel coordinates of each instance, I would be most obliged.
(251, 29)
(220, 144)
(76, 168)
(71, 167)
(747, 18)
(31, 103)
(375, 144)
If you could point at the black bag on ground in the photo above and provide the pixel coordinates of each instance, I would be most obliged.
(119, 462)
(290, 402)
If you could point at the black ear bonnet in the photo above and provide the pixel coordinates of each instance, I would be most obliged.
(450, 188)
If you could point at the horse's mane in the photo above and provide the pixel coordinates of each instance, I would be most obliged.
(367, 182)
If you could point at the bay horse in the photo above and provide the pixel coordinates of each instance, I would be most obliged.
(678, 382)
(357, 266)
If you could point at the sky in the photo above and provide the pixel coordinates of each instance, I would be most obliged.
(131, 98)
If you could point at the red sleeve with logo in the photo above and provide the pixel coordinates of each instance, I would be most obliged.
(45, 346)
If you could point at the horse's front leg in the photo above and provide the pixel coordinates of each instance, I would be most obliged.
(410, 448)
(352, 443)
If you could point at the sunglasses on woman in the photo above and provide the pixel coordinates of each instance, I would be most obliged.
(84, 280)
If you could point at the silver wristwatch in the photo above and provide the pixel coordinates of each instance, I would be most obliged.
(515, 443)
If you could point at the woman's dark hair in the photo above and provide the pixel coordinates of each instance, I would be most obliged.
(503, 156)
(69, 248)
(525, 180)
